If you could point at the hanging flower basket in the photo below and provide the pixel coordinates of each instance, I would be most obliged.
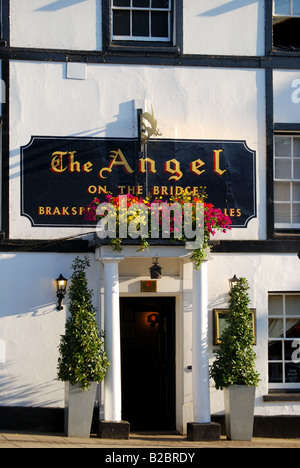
(186, 219)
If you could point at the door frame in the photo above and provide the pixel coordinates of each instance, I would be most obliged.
(177, 347)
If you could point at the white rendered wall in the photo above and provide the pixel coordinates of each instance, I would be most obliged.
(216, 27)
(222, 27)
(30, 327)
(188, 103)
(60, 24)
(265, 273)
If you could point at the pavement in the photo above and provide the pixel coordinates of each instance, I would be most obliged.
(151, 443)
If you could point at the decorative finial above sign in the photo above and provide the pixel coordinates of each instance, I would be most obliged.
(148, 126)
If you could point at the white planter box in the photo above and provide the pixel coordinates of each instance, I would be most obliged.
(239, 411)
(79, 407)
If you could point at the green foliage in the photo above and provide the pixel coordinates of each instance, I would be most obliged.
(82, 357)
(235, 358)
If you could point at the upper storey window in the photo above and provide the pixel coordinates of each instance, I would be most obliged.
(287, 181)
(286, 23)
(141, 20)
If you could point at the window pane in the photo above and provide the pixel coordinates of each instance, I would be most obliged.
(140, 23)
(288, 350)
(283, 168)
(296, 147)
(121, 23)
(297, 169)
(121, 2)
(275, 372)
(292, 305)
(141, 3)
(282, 191)
(160, 3)
(275, 351)
(275, 305)
(296, 191)
(275, 328)
(283, 146)
(159, 24)
(296, 7)
(282, 7)
(282, 213)
(293, 328)
(292, 374)
(296, 213)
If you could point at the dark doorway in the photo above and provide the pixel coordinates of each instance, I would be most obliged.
(148, 363)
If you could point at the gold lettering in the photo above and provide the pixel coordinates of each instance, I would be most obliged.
(92, 189)
(195, 165)
(65, 211)
(118, 159)
(142, 165)
(217, 169)
(56, 211)
(87, 167)
(178, 191)
(56, 165)
(175, 170)
(74, 166)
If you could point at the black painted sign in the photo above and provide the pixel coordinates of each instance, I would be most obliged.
(61, 176)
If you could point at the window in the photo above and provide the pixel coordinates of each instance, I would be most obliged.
(284, 341)
(152, 25)
(141, 20)
(286, 22)
(287, 182)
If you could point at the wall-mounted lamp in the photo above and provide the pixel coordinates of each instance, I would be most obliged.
(155, 270)
(61, 286)
(152, 319)
(232, 282)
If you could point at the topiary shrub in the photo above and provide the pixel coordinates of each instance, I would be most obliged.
(82, 357)
(235, 358)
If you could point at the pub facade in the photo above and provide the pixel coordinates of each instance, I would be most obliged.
(154, 98)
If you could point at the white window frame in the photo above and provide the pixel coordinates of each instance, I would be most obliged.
(143, 38)
(283, 361)
(291, 181)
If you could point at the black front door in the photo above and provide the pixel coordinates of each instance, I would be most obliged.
(148, 363)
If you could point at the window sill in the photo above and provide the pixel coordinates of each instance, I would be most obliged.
(287, 234)
(279, 52)
(281, 397)
(148, 49)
